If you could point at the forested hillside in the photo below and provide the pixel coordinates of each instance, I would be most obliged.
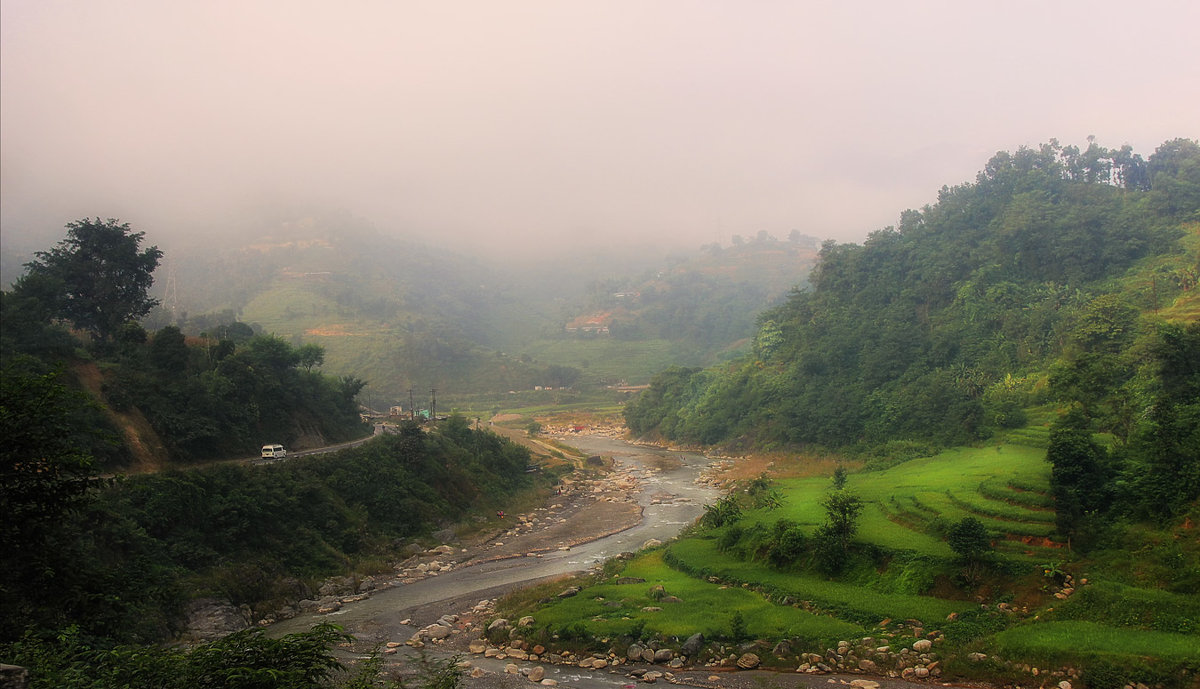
(118, 560)
(709, 298)
(93, 557)
(1047, 279)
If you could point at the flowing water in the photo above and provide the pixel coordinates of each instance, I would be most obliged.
(662, 473)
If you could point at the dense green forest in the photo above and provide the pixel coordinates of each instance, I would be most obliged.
(94, 558)
(1021, 288)
(118, 558)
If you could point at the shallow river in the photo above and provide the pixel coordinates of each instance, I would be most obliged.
(379, 617)
(660, 471)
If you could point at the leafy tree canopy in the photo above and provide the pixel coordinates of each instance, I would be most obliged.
(937, 330)
(96, 278)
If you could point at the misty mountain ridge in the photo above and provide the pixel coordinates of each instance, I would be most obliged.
(402, 314)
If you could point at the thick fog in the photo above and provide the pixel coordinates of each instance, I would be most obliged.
(550, 123)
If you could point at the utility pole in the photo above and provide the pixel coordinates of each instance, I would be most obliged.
(412, 409)
(432, 404)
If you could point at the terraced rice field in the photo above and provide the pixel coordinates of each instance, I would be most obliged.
(909, 506)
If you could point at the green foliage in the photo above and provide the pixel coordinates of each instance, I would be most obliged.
(841, 514)
(705, 607)
(225, 399)
(1078, 474)
(1132, 607)
(656, 407)
(244, 660)
(434, 673)
(969, 539)
(68, 560)
(1163, 458)
(1145, 655)
(101, 274)
(44, 468)
(787, 545)
(699, 558)
(926, 331)
(730, 537)
(117, 565)
(721, 513)
(831, 541)
(1156, 473)
(763, 494)
(839, 477)
(737, 627)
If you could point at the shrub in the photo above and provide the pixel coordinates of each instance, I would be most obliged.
(969, 538)
(787, 545)
(730, 537)
(724, 511)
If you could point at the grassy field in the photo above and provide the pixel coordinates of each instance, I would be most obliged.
(1004, 486)
(1066, 642)
(634, 361)
(701, 555)
(612, 610)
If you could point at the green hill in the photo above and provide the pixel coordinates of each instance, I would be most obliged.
(402, 315)
(944, 328)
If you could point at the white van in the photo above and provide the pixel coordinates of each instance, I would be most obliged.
(273, 452)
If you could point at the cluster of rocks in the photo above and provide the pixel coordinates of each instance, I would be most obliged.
(210, 618)
(607, 429)
(1068, 587)
(617, 486)
(535, 674)
(413, 569)
(866, 655)
(510, 644)
(712, 474)
(917, 661)
(446, 626)
(1064, 674)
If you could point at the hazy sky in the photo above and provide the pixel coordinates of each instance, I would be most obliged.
(559, 121)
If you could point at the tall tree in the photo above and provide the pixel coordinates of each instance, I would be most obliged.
(1165, 471)
(1079, 472)
(97, 278)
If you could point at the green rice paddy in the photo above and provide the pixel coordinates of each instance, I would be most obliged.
(612, 609)
(907, 510)
(1005, 487)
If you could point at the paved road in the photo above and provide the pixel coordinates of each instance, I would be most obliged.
(380, 429)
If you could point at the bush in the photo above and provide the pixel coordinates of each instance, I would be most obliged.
(730, 537)
(248, 659)
(829, 551)
(725, 511)
(969, 538)
(787, 545)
